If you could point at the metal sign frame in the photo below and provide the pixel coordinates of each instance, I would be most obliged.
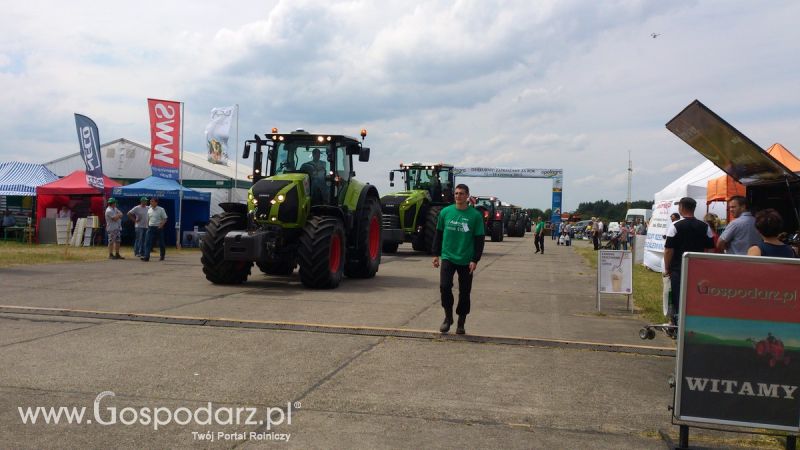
(557, 176)
(681, 349)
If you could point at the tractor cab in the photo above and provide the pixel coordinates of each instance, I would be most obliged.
(327, 160)
(437, 179)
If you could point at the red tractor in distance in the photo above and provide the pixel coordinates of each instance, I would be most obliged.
(770, 348)
(489, 207)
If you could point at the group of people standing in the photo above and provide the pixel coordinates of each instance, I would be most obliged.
(148, 222)
(746, 235)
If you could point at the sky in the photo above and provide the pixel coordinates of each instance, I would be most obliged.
(572, 85)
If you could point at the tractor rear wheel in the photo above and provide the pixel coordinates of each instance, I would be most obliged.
(215, 267)
(497, 231)
(429, 232)
(322, 252)
(281, 267)
(520, 228)
(365, 262)
(512, 228)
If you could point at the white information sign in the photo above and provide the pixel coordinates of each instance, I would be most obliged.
(614, 272)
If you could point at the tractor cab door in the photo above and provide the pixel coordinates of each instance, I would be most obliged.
(343, 171)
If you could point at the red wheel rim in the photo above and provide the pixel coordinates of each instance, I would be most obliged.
(336, 253)
(374, 237)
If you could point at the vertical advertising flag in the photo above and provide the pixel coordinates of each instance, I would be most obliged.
(217, 132)
(89, 139)
(165, 128)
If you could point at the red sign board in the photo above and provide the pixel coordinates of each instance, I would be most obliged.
(739, 344)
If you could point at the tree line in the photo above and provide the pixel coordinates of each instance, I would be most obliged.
(608, 210)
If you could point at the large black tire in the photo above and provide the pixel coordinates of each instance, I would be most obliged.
(497, 231)
(321, 253)
(511, 231)
(283, 267)
(520, 228)
(217, 270)
(418, 239)
(429, 231)
(365, 263)
(390, 247)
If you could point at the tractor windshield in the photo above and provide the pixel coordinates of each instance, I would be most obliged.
(437, 181)
(485, 202)
(306, 157)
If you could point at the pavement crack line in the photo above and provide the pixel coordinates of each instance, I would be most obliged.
(345, 329)
(10, 344)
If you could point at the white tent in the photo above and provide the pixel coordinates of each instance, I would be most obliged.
(692, 184)
(127, 161)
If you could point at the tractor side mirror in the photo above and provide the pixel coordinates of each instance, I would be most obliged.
(363, 156)
(246, 152)
(391, 176)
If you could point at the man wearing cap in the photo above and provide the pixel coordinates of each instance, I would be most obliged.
(740, 234)
(156, 219)
(686, 235)
(113, 228)
(139, 217)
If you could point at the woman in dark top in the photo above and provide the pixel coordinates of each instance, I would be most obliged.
(770, 224)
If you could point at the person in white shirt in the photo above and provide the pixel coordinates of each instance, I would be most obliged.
(64, 213)
(139, 217)
(156, 219)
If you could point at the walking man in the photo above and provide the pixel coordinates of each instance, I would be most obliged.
(741, 233)
(597, 233)
(113, 228)
(459, 242)
(686, 235)
(538, 235)
(156, 219)
(139, 217)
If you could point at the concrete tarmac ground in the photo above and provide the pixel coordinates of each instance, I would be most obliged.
(397, 385)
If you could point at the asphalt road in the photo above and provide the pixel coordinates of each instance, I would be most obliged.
(361, 366)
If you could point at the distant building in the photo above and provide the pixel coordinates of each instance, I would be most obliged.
(127, 162)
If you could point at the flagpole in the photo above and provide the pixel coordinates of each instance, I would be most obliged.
(236, 152)
(180, 190)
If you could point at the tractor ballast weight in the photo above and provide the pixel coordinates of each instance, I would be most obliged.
(411, 215)
(307, 211)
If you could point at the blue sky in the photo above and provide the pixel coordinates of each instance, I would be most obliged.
(545, 84)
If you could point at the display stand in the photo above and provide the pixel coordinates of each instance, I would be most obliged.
(615, 274)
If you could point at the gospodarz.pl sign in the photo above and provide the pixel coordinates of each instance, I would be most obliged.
(739, 346)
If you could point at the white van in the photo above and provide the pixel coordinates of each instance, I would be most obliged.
(633, 214)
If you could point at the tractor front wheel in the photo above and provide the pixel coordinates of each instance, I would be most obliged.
(215, 267)
(429, 233)
(497, 231)
(322, 252)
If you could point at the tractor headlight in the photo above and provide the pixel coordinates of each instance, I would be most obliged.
(281, 197)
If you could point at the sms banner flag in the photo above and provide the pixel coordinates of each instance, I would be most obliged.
(89, 139)
(165, 128)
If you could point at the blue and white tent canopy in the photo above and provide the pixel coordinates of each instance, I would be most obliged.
(18, 178)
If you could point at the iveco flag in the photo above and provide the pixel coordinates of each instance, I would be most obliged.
(165, 129)
(89, 139)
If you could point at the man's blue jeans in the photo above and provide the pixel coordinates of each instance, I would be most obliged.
(138, 244)
(153, 233)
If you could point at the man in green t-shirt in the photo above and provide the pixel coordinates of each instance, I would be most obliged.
(538, 235)
(459, 241)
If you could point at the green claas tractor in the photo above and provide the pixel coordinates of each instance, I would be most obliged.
(308, 210)
(411, 215)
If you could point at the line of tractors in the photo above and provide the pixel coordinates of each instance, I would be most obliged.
(305, 209)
